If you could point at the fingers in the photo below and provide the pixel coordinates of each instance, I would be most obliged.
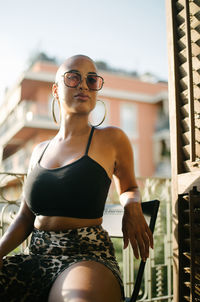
(140, 243)
(150, 235)
(135, 245)
(125, 239)
(140, 246)
(139, 235)
(146, 244)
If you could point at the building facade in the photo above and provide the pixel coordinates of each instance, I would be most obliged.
(138, 107)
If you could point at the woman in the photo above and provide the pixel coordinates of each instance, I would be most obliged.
(71, 257)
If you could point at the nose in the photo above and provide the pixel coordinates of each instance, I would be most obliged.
(83, 84)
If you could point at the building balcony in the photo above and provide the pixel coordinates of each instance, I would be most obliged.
(21, 123)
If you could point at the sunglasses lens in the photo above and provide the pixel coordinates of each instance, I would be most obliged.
(72, 79)
(94, 82)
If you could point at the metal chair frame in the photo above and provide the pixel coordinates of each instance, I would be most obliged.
(111, 222)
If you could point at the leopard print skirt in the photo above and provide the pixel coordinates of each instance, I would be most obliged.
(28, 277)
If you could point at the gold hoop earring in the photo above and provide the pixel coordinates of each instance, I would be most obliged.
(103, 116)
(53, 112)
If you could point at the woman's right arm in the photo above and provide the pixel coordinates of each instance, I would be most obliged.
(23, 224)
(18, 231)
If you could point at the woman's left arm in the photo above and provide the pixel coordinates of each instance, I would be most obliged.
(134, 226)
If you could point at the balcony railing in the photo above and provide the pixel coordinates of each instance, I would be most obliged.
(157, 284)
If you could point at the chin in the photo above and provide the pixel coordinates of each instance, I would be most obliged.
(79, 110)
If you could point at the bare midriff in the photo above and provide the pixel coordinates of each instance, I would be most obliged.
(57, 223)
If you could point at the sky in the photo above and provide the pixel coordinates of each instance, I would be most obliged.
(128, 34)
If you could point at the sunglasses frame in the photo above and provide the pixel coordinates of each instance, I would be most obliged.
(82, 79)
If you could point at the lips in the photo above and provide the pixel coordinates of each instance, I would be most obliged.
(82, 96)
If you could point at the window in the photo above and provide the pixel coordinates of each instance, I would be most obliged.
(128, 119)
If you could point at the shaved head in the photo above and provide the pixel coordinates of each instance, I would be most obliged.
(68, 62)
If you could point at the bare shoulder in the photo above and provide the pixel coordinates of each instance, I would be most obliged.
(116, 139)
(120, 142)
(37, 151)
(39, 148)
(112, 134)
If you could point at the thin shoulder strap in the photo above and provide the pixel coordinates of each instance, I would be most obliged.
(89, 140)
(43, 152)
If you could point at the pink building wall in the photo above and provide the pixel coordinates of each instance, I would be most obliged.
(147, 120)
(40, 91)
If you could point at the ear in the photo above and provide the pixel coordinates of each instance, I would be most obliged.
(55, 91)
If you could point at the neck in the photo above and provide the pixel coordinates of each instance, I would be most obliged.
(73, 126)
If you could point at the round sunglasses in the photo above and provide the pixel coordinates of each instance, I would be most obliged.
(73, 79)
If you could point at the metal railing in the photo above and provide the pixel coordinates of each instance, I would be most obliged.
(157, 284)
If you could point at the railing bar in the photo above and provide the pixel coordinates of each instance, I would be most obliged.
(157, 298)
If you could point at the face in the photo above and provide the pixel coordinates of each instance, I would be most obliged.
(79, 99)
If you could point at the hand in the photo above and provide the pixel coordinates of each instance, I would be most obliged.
(136, 230)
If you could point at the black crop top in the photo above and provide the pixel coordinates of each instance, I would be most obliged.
(76, 190)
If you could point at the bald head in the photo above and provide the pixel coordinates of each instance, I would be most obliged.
(67, 63)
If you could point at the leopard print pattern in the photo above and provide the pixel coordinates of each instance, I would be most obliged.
(28, 277)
